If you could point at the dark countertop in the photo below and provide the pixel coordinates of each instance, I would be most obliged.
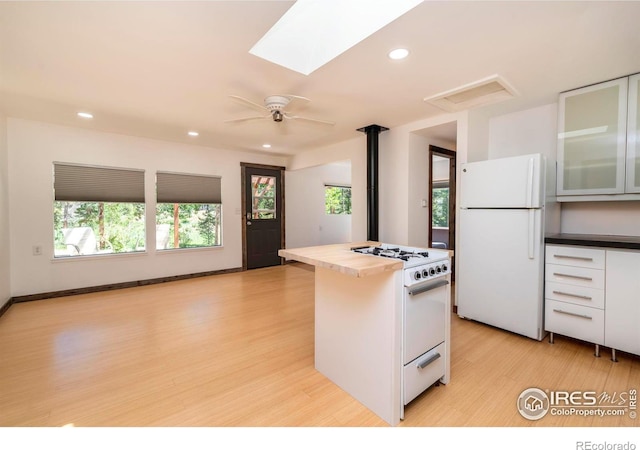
(595, 240)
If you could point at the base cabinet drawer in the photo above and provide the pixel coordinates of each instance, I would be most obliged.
(577, 276)
(575, 256)
(580, 322)
(578, 295)
(422, 372)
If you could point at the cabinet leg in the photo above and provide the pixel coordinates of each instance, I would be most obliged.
(550, 338)
(597, 351)
(613, 355)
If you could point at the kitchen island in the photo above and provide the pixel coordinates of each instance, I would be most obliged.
(359, 324)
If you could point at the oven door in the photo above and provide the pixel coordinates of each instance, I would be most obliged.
(424, 317)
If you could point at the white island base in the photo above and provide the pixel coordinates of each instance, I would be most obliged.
(358, 337)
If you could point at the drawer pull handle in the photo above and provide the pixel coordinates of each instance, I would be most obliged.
(429, 360)
(568, 294)
(582, 316)
(581, 258)
(572, 276)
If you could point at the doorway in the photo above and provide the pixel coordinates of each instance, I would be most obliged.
(262, 215)
(442, 207)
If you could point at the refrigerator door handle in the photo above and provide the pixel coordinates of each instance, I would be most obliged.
(530, 174)
(532, 234)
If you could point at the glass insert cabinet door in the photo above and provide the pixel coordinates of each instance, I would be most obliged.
(633, 136)
(592, 124)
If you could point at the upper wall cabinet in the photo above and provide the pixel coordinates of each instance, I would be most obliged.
(633, 136)
(597, 142)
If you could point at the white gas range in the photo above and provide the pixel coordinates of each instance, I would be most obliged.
(426, 315)
(420, 264)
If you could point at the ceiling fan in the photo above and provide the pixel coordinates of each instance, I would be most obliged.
(274, 107)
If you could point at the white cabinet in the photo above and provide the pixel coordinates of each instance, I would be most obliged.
(622, 314)
(598, 156)
(592, 294)
(574, 292)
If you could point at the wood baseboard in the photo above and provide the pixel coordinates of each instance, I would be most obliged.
(6, 306)
(110, 287)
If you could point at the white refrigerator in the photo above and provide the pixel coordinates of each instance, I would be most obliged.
(507, 206)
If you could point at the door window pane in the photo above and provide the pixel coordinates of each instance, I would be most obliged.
(263, 195)
(440, 207)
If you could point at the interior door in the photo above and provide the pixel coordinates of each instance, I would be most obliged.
(263, 215)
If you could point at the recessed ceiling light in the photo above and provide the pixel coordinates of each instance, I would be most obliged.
(85, 115)
(266, 145)
(398, 53)
(193, 133)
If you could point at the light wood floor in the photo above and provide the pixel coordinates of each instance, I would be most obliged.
(237, 350)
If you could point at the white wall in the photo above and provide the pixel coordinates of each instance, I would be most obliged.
(618, 218)
(404, 173)
(355, 150)
(5, 285)
(307, 223)
(535, 131)
(524, 132)
(34, 146)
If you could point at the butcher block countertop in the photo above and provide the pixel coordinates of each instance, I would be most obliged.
(340, 258)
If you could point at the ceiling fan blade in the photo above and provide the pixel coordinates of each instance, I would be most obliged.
(245, 119)
(298, 97)
(308, 119)
(249, 103)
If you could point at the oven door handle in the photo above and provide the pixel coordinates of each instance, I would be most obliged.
(428, 287)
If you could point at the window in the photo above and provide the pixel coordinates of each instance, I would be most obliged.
(188, 211)
(263, 195)
(97, 210)
(440, 204)
(337, 199)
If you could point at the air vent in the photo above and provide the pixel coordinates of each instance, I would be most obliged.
(489, 90)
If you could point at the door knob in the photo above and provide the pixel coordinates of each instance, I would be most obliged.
(248, 222)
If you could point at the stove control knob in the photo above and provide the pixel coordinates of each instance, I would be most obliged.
(417, 276)
(432, 271)
(444, 267)
(425, 273)
(438, 269)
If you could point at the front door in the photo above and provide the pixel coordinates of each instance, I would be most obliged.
(263, 215)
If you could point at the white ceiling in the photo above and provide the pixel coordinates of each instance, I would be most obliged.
(159, 69)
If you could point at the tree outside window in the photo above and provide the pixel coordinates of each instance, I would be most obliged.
(188, 225)
(337, 199)
(84, 228)
(440, 205)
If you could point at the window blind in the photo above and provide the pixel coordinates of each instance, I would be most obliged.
(187, 188)
(97, 184)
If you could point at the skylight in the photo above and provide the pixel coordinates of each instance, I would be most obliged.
(313, 32)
